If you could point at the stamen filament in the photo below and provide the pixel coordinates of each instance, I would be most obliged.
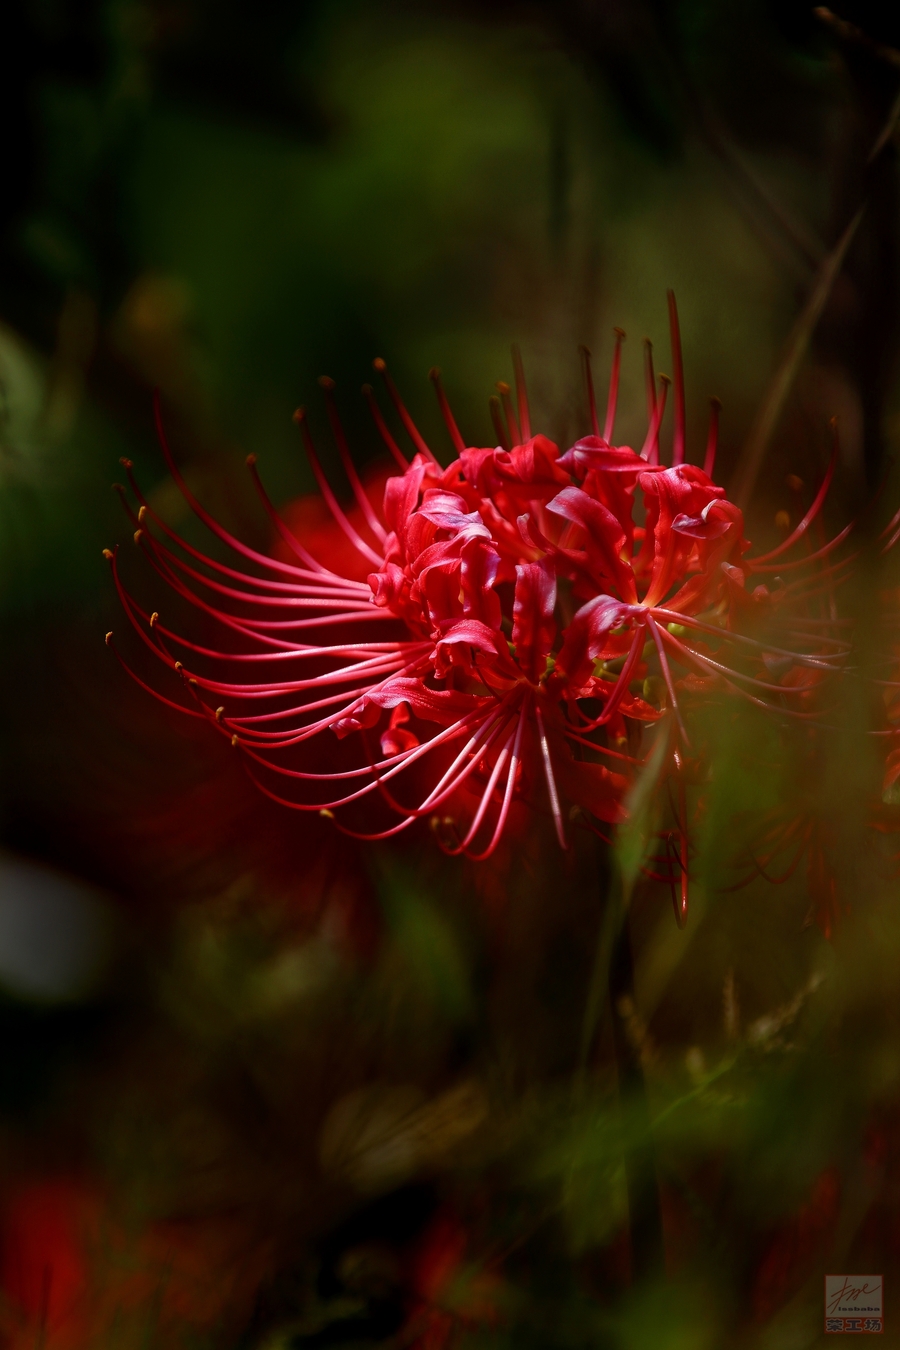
(679, 440)
(340, 440)
(330, 500)
(613, 399)
(589, 385)
(459, 444)
(415, 435)
(369, 395)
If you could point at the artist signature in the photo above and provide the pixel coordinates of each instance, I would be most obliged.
(850, 1293)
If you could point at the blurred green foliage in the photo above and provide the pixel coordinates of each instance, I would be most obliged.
(310, 1065)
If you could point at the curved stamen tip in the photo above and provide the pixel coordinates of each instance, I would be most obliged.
(833, 421)
(250, 460)
(434, 374)
(379, 364)
(794, 482)
(108, 638)
(220, 712)
(108, 554)
(126, 463)
(715, 402)
(235, 742)
(366, 390)
(299, 415)
(327, 383)
(138, 536)
(323, 811)
(154, 618)
(178, 666)
(502, 387)
(620, 334)
(142, 515)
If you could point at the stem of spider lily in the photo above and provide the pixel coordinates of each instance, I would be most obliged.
(613, 977)
(644, 1209)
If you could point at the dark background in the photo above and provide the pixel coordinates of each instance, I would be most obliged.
(224, 201)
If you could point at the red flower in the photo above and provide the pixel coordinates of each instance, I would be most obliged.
(510, 604)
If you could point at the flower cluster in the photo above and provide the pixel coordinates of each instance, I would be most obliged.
(525, 614)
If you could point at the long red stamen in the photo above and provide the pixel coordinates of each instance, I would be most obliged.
(459, 444)
(729, 676)
(798, 532)
(369, 395)
(366, 790)
(679, 440)
(287, 535)
(500, 430)
(649, 379)
(330, 500)
(589, 385)
(550, 778)
(504, 391)
(361, 669)
(507, 795)
(161, 698)
(802, 562)
(600, 749)
(650, 448)
(322, 597)
(666, 615)
(667, 676)
(613, 399)
(807, 588)
(488, 732)
(413, 432)
(620, 689)
(712, 440)
(246, 627)
(486, 796)
(710, 663)
(209, 521)
(300, 577)
(340, 440)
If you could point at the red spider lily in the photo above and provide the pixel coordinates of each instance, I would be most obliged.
(510, 605)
